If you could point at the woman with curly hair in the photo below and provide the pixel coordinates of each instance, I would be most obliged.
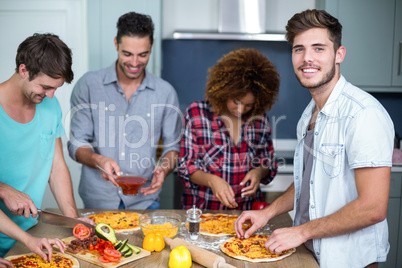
(226, 148)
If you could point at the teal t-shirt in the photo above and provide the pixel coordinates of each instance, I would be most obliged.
(26, 156)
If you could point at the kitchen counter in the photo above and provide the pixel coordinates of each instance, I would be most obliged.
(301, 258)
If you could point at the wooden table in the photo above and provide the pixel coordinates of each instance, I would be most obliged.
(301, 258)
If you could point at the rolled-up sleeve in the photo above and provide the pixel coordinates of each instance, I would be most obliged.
(82, 127)
(189, 152)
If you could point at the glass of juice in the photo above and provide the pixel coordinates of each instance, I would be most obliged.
(130, 184)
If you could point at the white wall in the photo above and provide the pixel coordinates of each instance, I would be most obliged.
(203, 15)
(66, 18)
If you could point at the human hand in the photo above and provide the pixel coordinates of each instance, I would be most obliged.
(284, 239)
(254, 177)
(111, 166)
(36, 245)
(19, 203)
(5, 263)
(258, 219)
(156, 183)
(223, 192)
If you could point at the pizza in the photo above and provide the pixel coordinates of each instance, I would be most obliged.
(30, 260)
(120, 221)
(219, 224)
(252, 249)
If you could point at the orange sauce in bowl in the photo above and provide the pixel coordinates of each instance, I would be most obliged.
(130, 184)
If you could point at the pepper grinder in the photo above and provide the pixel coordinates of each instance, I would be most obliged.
(193, 218)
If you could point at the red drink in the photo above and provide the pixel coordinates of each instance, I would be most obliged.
(130, 184)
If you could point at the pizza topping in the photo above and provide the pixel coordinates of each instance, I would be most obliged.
(81, 231)
(35, 260)
(118, 220)
(250, 248)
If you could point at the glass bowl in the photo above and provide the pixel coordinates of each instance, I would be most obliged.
(166, 223)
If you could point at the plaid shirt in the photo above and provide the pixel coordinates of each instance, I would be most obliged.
(206, 145)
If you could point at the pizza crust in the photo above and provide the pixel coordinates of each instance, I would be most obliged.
(243, 258)
(76, 264)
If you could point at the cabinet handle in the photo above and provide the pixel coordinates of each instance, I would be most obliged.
(399, 60)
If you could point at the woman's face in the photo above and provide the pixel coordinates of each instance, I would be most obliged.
(241, 106)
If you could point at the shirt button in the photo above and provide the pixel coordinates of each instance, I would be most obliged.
(126, 115)
(123, 154)
(148, 114)
(297, 154)
(311, 182)
(316, 133)
(106, 108)
(124, 96)
(124, 134)
(312, 206)
(297, 177)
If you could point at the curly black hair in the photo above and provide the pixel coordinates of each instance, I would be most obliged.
(135, 24)
(238, 73)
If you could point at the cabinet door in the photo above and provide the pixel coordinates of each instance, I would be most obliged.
(397, 70)
(368, 34)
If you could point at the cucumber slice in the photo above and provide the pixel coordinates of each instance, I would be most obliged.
(128, 253)
(123, 245)
(135, 249)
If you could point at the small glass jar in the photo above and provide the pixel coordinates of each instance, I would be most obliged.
(194, 219)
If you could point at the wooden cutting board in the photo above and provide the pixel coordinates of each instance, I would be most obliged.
(92, 256)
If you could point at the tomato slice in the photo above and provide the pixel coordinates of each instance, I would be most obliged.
(81, 231)
(111, 259)
(112, 253)
(103, 259)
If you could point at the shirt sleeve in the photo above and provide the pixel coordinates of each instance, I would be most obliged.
(81, 127)
(370, 139)
(265, 154)
(189, 152)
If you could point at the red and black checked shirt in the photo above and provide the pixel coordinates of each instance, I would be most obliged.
(206, 145)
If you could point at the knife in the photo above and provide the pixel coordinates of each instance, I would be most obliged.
(61, 220)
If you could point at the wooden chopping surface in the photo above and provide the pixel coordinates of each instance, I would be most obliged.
(92, 256)
(302, 258)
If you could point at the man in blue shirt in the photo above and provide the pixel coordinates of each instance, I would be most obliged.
(119, 114)
(342, 161)
(31, 154)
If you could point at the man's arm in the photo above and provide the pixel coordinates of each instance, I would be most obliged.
(60, 183)
(370, 207)
(86, 156)
(260, 218)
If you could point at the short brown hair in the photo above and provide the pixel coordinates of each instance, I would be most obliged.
(309, 19)
(135, 24)
(47, 54)
(238, 73)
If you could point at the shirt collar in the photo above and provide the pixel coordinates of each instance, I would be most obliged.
(330, 107)
(111, 77)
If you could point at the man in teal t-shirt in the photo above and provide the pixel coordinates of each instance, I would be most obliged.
(31, 154)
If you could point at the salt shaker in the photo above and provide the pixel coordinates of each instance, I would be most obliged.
(193, 218)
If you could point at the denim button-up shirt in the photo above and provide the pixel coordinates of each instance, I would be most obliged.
(128, 132)
(352, 130)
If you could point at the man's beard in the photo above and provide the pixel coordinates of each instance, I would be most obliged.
(325, 80)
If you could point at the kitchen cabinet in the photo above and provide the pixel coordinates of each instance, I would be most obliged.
(394, 222)
(372, 35)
